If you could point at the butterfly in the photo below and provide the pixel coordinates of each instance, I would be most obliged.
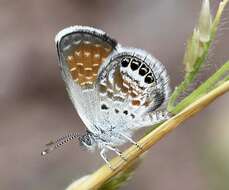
(115, 89)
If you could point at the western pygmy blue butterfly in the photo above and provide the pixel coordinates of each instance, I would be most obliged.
(115, 90)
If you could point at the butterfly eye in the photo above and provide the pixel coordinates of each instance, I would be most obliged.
(149, 79)
(135, 64)
(143, 70)
(125, 62)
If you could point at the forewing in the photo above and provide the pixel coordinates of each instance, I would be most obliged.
(81, 51)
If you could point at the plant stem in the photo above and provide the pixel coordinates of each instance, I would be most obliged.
(198, 63)
(188, 79)
(218, 16)
(202, 89)
(103, 174)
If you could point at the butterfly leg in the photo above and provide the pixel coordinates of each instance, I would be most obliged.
(102, 154)
(131, 140)
(117, 151)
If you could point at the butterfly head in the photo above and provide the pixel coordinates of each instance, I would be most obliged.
(87, 141)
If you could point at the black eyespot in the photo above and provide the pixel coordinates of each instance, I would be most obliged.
(143, 70)
(116, 111)
(125, 112)
(104, 107)
(125, 61)
(149, 78)
(132, 115)
(135, 64)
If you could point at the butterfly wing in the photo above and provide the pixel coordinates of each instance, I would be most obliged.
(131, 84)
(81, 51)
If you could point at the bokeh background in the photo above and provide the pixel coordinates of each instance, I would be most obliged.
(34, 106)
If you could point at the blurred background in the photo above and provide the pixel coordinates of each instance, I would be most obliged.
(35, 108)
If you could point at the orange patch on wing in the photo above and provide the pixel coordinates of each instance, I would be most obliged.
(85, 60)
(136, 102)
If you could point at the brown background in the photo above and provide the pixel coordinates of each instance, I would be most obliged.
(34, 106)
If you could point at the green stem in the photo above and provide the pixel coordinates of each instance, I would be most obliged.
(190, 76)
(204, 88)
(218, 16)
(188, 79)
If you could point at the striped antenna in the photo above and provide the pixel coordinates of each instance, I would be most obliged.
(52, 145)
